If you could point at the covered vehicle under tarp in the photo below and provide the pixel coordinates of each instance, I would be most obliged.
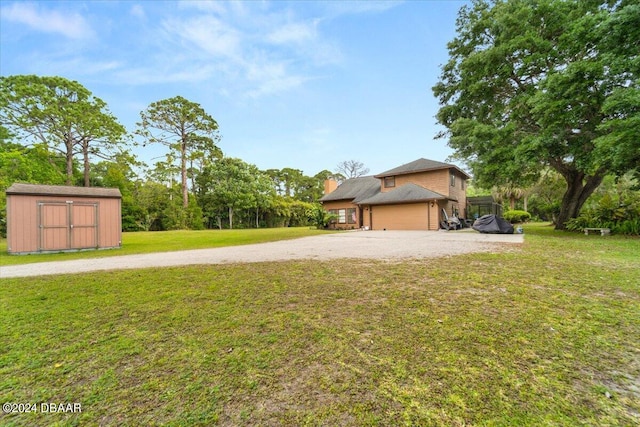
(492, 224)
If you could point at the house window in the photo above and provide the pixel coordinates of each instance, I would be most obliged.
(333, 212)
(342, 216)
(351, 216)
(389, 181)
(453, 179)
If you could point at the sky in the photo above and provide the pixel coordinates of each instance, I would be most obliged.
(300, 84)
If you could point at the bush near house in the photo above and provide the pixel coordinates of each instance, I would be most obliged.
(320, 218)
(516, 216)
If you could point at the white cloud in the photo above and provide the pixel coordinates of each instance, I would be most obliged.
(357, 7)
(138, 11)
(266, 76)
(71, 25)
(296, 32)
(203, 5)
(152, 75)
(277, 85)
(249, 49)
(207, 33)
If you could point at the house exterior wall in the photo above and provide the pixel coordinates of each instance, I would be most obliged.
(440, 182)
(93, 227)
(458, 192)
(346, 221)
(436, 180)
(413, 216)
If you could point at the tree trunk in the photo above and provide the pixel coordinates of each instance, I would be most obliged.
(183, 167)
(230, 218)
(579, 188)
(87, 165)
(69, 159)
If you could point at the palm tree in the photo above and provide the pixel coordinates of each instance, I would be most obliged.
(512, 193)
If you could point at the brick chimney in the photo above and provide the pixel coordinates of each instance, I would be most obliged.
(330, 185)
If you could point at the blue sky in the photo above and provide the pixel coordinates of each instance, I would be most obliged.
(296, 84)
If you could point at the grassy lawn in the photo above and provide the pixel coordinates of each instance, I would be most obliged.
(542, 335)
(164, 241)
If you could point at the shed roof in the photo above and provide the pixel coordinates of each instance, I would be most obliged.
(407, 193)
(354, 189)
(420, 165)
(62, 190)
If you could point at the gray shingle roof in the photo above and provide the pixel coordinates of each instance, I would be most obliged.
(354, 189)
(406, 193)
(420, 165)
(61, 190)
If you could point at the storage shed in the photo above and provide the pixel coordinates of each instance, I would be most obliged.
(52, 218)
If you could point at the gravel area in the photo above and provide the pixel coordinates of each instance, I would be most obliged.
(387, 245)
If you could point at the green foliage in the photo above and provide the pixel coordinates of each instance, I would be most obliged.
(546, 196)
(320, 218)
(549, 83)
(61, 114)
(184, 127)
(618, 212)
(231, 185)
(36, 165)
(516, 216)
(65, 126)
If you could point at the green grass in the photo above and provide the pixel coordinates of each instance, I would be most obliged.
(164, 241)
(542, 335)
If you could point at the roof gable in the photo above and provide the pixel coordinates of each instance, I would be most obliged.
(407, 193)
(354, 189)
(420, 165)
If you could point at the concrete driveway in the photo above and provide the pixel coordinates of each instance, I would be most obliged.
(354, 244)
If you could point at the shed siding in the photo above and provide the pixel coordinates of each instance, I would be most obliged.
(110, 219)
(23, 216)
(54, 231)
(22, 230)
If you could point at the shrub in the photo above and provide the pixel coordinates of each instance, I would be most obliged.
(621, 216)
(516, 216)
(319, 217)
(630, 227)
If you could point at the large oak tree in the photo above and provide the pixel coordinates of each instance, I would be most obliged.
(537, 83)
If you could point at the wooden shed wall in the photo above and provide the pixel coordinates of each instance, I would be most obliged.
(23, 227)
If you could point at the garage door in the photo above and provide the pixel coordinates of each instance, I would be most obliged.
(400, 217)
(68, 225)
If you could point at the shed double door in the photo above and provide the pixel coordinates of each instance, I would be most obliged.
(67, 225)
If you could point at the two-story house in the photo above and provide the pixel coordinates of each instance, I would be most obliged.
(409, 197)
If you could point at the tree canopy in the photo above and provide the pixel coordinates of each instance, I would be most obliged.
(542, 83)
(184, 127)
(351, 169)
(62, 114)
